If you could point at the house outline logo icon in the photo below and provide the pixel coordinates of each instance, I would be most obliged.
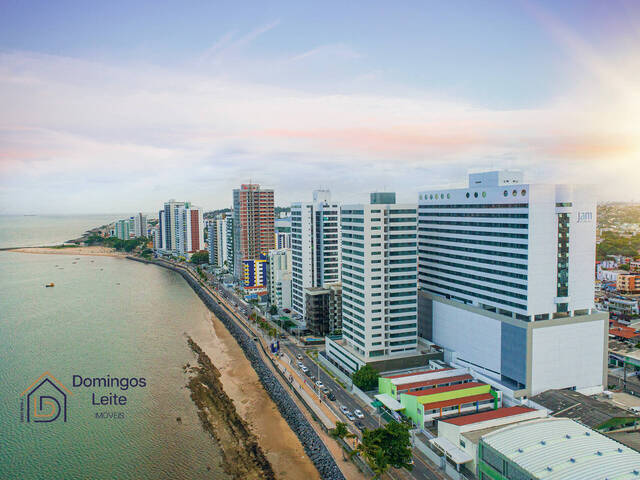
(46, 400)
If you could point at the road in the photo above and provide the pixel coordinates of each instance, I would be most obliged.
(422, 468)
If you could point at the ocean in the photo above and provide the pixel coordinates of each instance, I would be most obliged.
(105, 318)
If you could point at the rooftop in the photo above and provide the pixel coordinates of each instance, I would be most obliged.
(490, 415)
(458, 401)
(421, 372)
(450, 388)
(561, 449)
(437, 381)
(574, 405)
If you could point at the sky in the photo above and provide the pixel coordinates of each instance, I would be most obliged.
(119, 106)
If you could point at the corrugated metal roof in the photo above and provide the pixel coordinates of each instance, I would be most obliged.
(450, 388)
(437, 381)
(490, 415)
(421, 372)
(561, 449)
(458, 401)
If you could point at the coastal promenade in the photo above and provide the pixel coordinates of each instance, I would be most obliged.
(289, 404)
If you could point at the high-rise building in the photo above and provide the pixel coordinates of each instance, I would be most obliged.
(140, 225)
(253, 224)
(507, 283)
(228, 245)
(122, 230)
(280, 277)
(181, 228)
(379, 282)
(217, 242)
(283, 232)
(315, 246)
(162, 237)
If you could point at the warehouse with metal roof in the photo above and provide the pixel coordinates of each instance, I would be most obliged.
(554, 449)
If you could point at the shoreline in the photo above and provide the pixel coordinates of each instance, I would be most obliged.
(277, 398)
(243, 456)
(96, 251)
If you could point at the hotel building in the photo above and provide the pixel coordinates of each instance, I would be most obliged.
(506, 281)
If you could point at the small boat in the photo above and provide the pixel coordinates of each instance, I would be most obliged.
(50, 285)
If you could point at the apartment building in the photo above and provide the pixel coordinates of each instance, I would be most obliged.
(315, 246)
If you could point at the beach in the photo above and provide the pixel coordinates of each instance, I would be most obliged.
(94, 251)
(240, 381)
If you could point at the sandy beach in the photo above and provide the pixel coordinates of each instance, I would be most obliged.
(94, 251)
(283, 449)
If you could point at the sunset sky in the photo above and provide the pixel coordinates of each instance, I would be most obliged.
(118, 106)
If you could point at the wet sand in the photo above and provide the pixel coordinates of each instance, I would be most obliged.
(283, 449)
(95, 251)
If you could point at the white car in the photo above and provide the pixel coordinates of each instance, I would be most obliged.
(350, 416)
(358, 413)
(319, 384)
(344, 409)
(299, 357)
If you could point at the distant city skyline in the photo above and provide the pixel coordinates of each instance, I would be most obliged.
(115, 107)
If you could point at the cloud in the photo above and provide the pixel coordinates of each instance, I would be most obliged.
(129, 136)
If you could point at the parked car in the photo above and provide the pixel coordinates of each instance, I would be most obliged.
(326, 391)
(313, 378)
(359, 425)
(286, 310)
(358, 413)
(350, 416)
(344, 409)
(331, 396)
(299, 357)
(300, 364)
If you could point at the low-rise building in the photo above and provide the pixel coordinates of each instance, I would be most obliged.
(458, 437)
(628, 283)
(554, 449)
(426, 406)
(596, 414)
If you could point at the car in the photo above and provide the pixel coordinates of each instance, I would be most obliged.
(350, 416)
(299, 357)
(319, 384)
(331, 396)
(326, 391)
(344, 409)
(359, 425)
(358, 413)
(286, 310)
(300, 364)
(313, 378)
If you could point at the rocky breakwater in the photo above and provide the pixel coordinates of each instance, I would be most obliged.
(313, 446)
(242, 456)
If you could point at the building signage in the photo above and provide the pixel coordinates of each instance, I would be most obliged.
(585, 217)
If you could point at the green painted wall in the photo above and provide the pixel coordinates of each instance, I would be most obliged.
(384, 385)
(463, 392)
(411, 408)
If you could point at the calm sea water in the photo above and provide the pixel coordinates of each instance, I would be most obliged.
(105, 316)
(32, 231)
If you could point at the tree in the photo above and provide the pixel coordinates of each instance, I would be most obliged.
(366, 378)
(341, 431)
(273, 310)
(200, 257)
(388, 446)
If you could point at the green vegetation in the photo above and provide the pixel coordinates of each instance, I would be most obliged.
(612, 214)
(341, 431)
(125, 245)
(366, 378)
(273, 310)
(615, 244)
(200, 257)
(384, 447)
